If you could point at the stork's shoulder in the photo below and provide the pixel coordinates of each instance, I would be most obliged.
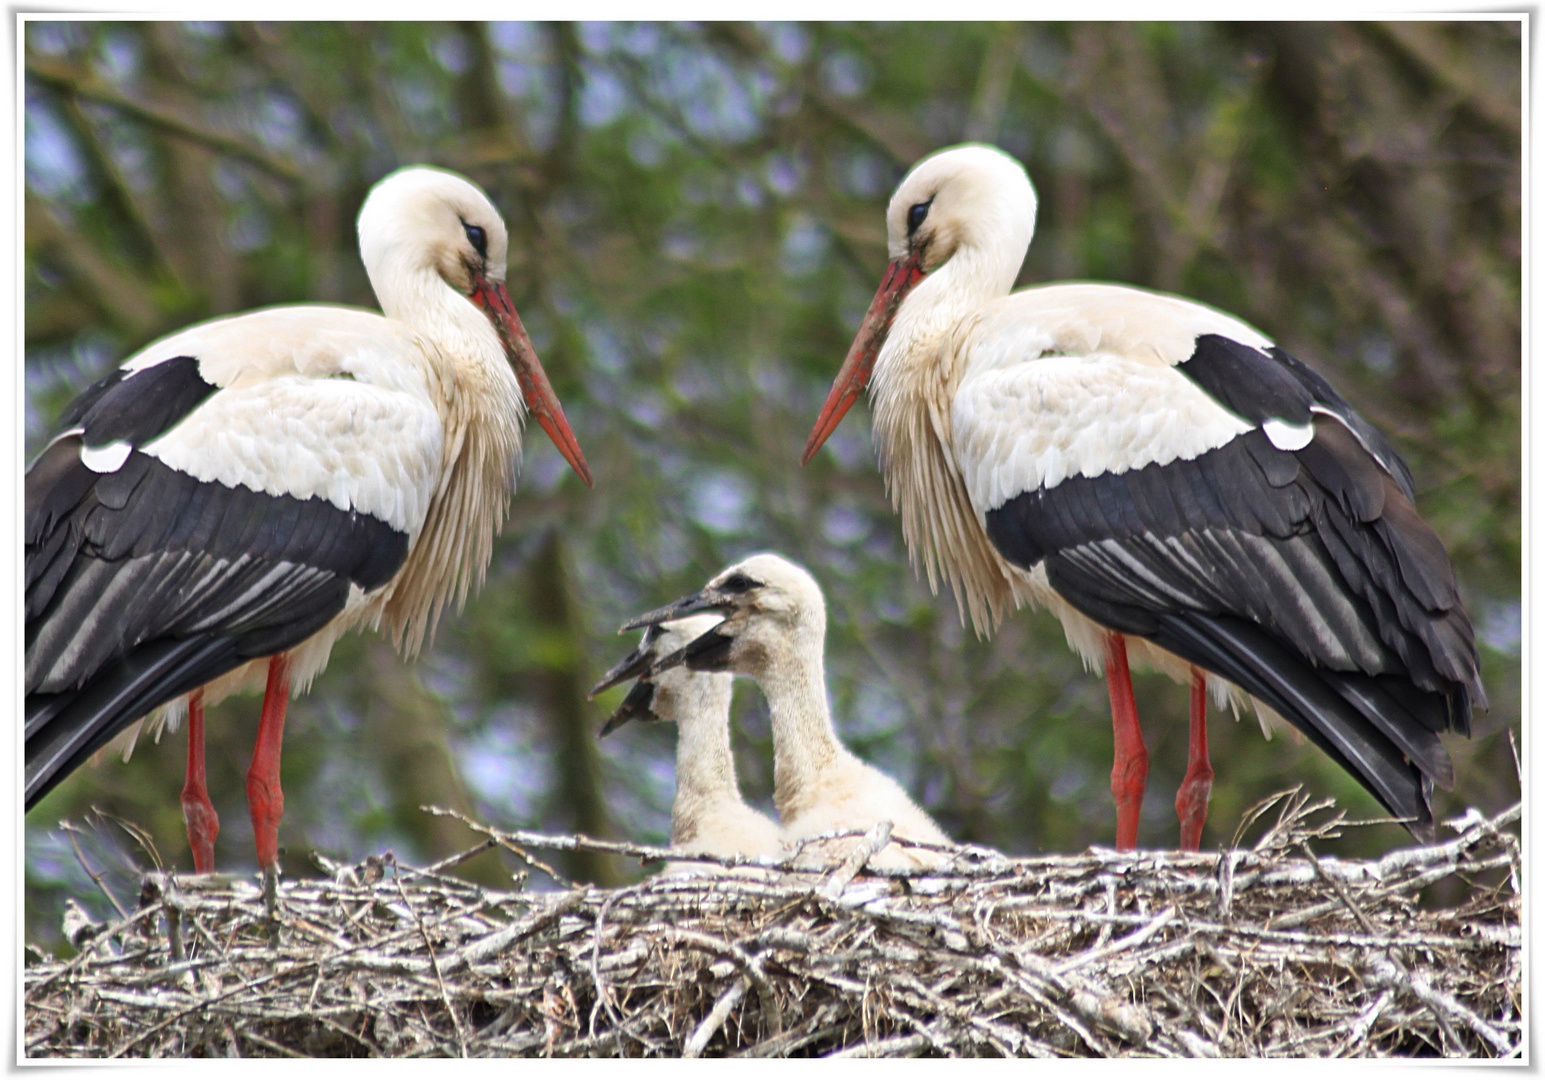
(1084, 318)
(310, 340)
(300, 402)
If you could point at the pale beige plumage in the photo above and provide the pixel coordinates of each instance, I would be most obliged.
(775, 629)
(708, 813)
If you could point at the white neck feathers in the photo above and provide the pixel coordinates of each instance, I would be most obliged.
(805, 744)
(914, 383)
(705, 762)
(483, 410)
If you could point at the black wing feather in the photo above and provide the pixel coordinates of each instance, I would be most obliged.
(1314, 560)
(144, 583)
(1270, 384)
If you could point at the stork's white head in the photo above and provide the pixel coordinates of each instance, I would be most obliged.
(431, 240)
(971, 205)
(421, 218)
(965, 197)
(771, 608)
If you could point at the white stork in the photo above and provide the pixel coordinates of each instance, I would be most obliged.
(223, 506)
(708, 813)
(1168, 482)
(774, 630)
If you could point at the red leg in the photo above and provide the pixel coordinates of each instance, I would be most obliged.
(1196, 788)
(198, 813)
(264, 797)
(1129, 775)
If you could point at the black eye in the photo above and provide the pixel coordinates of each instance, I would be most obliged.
(478, 237)
(737, 583)
(916, 215)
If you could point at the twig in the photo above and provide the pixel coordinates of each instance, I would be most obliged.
(434, 964)
(715, 1018)
(80, 856)
(866, 849)
(1049, 957)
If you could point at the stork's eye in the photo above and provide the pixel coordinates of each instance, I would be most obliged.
(737, 583)
(478, 237)
(916, 215)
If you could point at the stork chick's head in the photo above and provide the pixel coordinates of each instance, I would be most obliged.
(676, 694)
(970, 204)
(770, 607)
(421, 226)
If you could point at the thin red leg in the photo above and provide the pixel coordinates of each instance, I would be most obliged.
(1196, 788)
(1129, 775)
(264, 797)
(198, 813)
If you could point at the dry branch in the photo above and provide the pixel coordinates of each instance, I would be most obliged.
(1272, 950)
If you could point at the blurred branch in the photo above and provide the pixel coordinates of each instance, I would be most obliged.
(570, 78)
(890, 128)
(126, 299)
(1115, 78)
(277, 57)
(118, 198)
(67, 79)
(408, 728)
(1454, 62)
(559, 686)
(494, 130)
(992, 85)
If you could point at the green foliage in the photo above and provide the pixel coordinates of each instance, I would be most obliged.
(697, 225)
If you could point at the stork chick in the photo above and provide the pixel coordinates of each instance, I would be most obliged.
(708, 814)
(774, 631)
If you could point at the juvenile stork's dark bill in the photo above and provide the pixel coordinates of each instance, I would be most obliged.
(1167, 481)
(217, 511)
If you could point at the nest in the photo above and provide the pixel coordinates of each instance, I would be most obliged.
(1267, 950)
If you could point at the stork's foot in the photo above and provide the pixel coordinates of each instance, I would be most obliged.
(271, 903)
(1191, 805)
(1128, 781)
(271, 890)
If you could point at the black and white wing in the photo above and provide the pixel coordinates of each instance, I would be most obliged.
(178, 528)
(1233, 509)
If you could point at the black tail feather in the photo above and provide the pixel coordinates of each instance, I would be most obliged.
(1245, 655)
(64, 729)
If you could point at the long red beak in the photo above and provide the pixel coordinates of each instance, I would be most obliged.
(853, 376)
(542, 403)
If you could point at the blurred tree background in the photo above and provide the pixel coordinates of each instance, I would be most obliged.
(697, 225)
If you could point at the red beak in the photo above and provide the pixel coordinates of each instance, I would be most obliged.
(541, 402)
(853, 376)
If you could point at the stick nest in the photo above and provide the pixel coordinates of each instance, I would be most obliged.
(1269, 950)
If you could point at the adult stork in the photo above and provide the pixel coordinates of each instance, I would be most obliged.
(1165, 479)
(223, 506)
